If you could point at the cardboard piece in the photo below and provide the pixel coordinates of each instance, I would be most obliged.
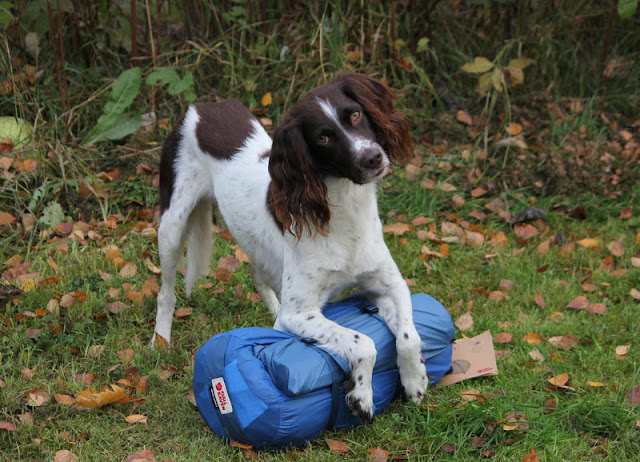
(472, 357)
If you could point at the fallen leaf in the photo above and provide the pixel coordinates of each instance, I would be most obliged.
(515, 421)
(37, 398)
(398, 229)
(536, 355)
(616, 248)
(91, 398)
(531, 456)
(635, 293)
(533, 338)
(267, 99)
(449, 448)
(579, 303)
(65, 455)
(525, 231)
(561, 381)
(378, 455)
(506, 285)
(503, 337)
(8, 426)
(539, 299)
(183, 312)
(565, 342)
(151, 267)
(136, 419)
(142, 456)
(229, 263)
(129, 270)
(464, 322)
(596, 308)
(337, 446)
(622, 350)
(626, 213)
(67, 301)
(589, 243)
(594, 384)
(65, 400)
(464, 117)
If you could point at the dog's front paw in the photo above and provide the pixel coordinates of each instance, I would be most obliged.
(415, 384)
(360, 403)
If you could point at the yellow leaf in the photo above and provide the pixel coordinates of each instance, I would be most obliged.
(589, 243)
(91, 398)
(267, 99)
(29, 285)
(478, 66)
(520, 63)
(594, 384)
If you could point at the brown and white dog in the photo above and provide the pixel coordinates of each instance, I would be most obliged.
(304, 210)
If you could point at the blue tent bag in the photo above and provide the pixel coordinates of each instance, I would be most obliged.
(271, 389)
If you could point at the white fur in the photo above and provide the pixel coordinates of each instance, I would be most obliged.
(306, 273)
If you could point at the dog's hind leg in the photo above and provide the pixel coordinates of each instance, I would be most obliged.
(187, 217)
(199, 242)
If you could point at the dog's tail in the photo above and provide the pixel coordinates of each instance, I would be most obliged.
(199, 242)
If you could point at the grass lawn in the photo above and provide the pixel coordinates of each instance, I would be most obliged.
(85, 320)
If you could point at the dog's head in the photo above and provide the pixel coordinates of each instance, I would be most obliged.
(346, 129)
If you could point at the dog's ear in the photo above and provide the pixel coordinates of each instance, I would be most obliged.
(390, 126)
(297, 193)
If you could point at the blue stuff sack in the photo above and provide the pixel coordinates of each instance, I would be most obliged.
(270, 389)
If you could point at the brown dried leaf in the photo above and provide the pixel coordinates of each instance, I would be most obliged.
(506, 285)
(398, 229)
(565, 342)
(503, 337)
(635, 293)
(531, 456)
(337, 446)
(229, 263)
(626, 213)
(183, 312)
(8, 426)
(129, 270)
(525, 231)
(596, 308)
(37, 398)
(561, 381)
(378, 455)
(579, 303)
(65, 400)
(65, 455)
(539, 299)
(464, 322)
(142, 456)
(533, 338)
(616, 248)
(464, 117)
(136, 419)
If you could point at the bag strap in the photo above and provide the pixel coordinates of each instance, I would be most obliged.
(337, 372)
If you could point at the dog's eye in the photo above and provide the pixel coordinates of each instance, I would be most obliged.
(355, 115)
(322, 139)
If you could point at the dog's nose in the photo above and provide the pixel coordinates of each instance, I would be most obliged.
(371, 159)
